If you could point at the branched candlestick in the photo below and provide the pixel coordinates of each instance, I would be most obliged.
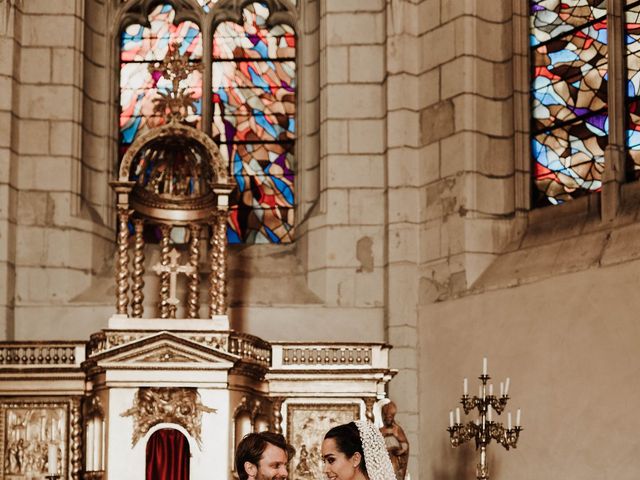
(484, 429)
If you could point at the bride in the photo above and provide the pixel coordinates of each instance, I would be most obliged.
(356, 451)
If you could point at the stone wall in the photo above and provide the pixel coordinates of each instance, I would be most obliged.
(569, 344)
(413, 223)
(53, 245)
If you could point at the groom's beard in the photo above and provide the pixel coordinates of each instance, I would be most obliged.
(260, 476)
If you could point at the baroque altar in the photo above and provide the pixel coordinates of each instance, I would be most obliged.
(167, 360)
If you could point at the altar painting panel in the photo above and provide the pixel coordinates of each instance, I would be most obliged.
(306, 427)
(28, 429)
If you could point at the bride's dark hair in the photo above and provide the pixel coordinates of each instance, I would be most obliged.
(348, 441)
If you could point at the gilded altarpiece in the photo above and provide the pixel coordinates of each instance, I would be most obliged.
(29, 427)
(306, 425)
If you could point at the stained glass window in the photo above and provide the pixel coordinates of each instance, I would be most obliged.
(207, 5)
(254, 101)
(569, 97)
(142, 47)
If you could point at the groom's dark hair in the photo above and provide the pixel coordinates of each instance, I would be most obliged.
(253, 445)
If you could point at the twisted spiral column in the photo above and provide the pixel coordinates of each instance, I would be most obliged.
(218, 262)
(194, 278)
(138, 270)
(277, 415)
(122, 263)
(165, 285)
(75, 435)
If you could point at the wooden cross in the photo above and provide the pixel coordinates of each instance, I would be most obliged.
(173, 269)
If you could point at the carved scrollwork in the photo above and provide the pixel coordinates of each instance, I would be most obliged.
(94, 407)
(181, 406)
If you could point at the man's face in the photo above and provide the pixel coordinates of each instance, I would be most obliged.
(272, 464)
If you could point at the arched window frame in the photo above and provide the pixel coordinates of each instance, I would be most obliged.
(137, 11)
(615, 184)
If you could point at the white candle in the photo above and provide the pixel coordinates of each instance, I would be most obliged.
(90, 447)
(509, 420)
(97, 444)
(458, 415)
(491, 389)
(518, 418)
(53, 459)
(502, 389)
(465, 387)
(451, 418)
(506, 386)
(489, 414)
(484, 366)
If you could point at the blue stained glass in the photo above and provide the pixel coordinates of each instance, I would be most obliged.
(253, 83)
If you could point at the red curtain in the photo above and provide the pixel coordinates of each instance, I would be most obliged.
(168, 456)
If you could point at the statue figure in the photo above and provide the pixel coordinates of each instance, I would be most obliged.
(303, 469)
(395, 440)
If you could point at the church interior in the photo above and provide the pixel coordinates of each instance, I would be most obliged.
(226, 216)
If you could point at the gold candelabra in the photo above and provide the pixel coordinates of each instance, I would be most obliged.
(484, 429)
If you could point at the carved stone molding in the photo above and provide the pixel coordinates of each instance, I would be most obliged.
(41, 354)
(311, 355)
(252, 349)
(181, 406)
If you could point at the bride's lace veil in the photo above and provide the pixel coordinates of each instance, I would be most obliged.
(376, 457)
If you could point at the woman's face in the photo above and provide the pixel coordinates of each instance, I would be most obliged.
(336, 464)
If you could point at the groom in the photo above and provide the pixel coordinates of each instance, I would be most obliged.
(263, 456)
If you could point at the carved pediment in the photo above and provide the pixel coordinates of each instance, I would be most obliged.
(166, 354)
(165, 348)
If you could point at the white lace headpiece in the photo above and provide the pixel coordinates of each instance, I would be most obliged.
(376, 457)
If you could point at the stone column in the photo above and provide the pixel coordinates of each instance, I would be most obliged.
(194, 287)
(122, 264)
(614, 155)
(218, 262)
(165, 248)
(277, 416)
(138, 270)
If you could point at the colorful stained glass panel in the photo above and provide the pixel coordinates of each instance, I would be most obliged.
(230, 42)
(253, 83)
(263, 174)
(138, 90)
(256, 225)
(570, 76)
(570, 159)
(141, 47)
(569, 97)
(553, 18)
(207, 5)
